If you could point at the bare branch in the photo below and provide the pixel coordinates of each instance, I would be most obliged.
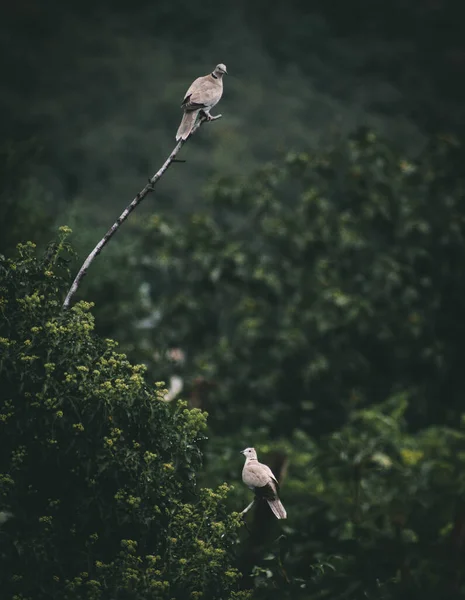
(128, 210)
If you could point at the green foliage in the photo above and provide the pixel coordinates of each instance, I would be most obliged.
(375, 511)
(321, 299)
(325, 284)
(319, 303)
(97, 473)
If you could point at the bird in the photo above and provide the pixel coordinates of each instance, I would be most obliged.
(259, 478)
(204, 93)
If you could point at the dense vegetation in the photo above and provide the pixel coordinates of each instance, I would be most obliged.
(303, 281)
(320, 304)
(97, 471)
(318, 308)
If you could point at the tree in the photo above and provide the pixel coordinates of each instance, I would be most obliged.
(321, 300)
(97, 473)
(329, 282)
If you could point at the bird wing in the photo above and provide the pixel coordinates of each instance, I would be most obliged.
(257, 475)
(204, 92)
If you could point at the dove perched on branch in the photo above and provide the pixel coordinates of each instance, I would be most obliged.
(259, 478)
(202, 95)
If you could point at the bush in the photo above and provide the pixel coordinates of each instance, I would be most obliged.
(97, 473)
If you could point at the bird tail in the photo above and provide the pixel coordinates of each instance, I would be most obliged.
(278, 509)
(187, 123)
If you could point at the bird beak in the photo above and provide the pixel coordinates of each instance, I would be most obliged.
(226, 71)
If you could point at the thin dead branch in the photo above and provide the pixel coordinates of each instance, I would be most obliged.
(150, 187)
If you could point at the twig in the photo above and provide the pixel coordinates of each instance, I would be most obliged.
(247, 508)
(128, 210)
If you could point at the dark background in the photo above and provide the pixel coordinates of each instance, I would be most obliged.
(98, 86)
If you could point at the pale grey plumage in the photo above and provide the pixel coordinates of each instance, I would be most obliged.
(259, 478)
(204, 93)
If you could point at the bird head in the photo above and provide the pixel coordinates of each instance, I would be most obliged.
(249, 453)
(220, 70)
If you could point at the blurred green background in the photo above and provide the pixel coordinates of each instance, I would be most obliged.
(301, 274)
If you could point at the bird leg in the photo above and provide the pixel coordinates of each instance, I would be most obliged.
(208, 116)
(247, 508)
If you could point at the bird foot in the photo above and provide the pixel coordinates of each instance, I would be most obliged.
(209, 117)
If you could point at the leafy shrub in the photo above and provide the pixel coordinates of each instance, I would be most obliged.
(97, 473)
